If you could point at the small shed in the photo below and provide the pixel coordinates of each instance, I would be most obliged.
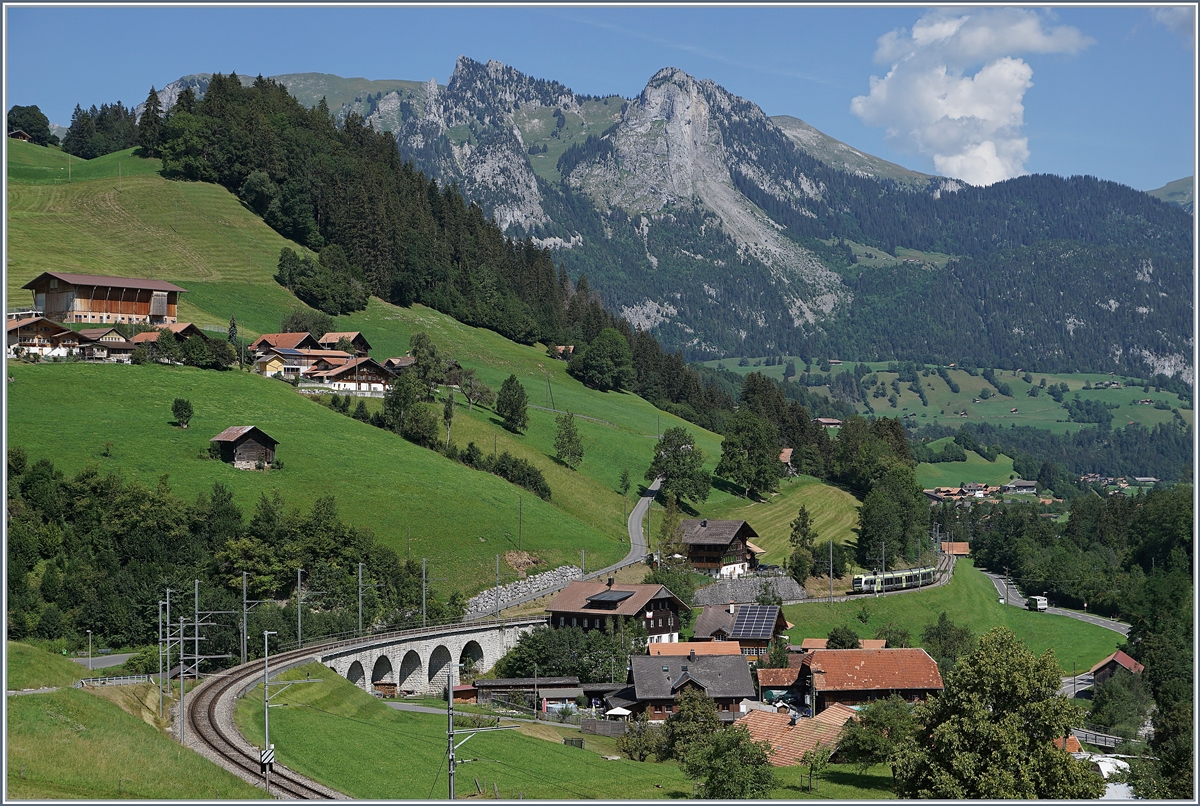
(245, 446)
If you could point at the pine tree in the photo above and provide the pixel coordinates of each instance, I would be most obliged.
(802, 539)
(448, 415)
(150, 127)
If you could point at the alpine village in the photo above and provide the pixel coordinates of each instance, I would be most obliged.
(435, 413)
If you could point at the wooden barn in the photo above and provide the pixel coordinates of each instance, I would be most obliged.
(245, 446)
(64, 297)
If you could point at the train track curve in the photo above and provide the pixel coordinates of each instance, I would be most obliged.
(211, 732)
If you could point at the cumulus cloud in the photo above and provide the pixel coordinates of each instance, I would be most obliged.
(956, 86)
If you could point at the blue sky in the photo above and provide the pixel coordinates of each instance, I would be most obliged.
(980, 93)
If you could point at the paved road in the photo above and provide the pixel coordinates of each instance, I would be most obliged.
(104, 661)
(1072, 686)
(1015, 599)
(425, 709)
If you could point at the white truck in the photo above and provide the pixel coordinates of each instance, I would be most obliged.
(1038, 603)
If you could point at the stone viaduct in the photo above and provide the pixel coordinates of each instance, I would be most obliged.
(417, 660)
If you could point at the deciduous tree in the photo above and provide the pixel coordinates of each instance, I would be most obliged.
(694, 720)
(681, 465)
(749, 453)
(729, 764)
(182, 409)
(843, 638)
(568, 445)
(511, 404)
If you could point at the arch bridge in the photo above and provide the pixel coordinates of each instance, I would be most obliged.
(416, 661)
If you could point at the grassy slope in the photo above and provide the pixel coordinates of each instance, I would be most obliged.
(834, 512)
(339, 735)
(969, 600)
(536, 125)
(976, 468)
(379, 480)
(72, 744)
(30, 667)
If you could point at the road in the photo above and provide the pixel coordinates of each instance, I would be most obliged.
(425, 709)
(637, 551)
(1015, 599)
(1072, 686)
(103, 661)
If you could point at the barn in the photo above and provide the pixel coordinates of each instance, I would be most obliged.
(65, 297)
(246, 446)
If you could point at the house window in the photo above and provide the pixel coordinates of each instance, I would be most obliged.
(573, 622)
(585, 623)
(670, 621)
(561, 620)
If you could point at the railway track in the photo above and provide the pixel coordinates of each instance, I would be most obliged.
(210, 731)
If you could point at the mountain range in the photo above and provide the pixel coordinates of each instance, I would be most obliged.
(728, 232)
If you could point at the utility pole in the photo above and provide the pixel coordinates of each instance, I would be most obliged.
(267, 746)
(360, 598)
(520, 520)
(182, 709)
(299, 610)
(496, 599)
(422, 591)
(831, 571)
(168, 641)
(160, 659)
(246, 605)
(450, 724)
(1006, 586)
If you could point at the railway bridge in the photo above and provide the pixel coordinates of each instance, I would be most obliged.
(415, 661)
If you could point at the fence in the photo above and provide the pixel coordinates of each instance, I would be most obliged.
(127, 680)
(603, 727)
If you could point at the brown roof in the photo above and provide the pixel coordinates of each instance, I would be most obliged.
(699, 647)
(814, 643)
(401, 362)
(785, 455)
(1121, 658)
(97, 333)
(711, 620)
(177, 328)
(574, 599)
(790, 742)
(101, 280)
(958, 549)
(336, 336)
(709, 532)
(872, 669)
(235, 432)
(822, 643)
(1073, 745)
(349, 365)
(836, 714)
(14, 324)
(289, 340)
(776, 678)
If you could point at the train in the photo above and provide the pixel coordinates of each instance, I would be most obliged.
(895, 580)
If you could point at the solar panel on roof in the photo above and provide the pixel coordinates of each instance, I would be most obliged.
(610, 596)
(287, 351)
(755, 621)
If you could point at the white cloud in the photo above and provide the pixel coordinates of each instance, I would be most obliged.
(1180, 19)
(930, 101)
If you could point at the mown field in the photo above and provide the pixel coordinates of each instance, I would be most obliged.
(969, 600)
(82, 745)
(954, 474)
(353, 742)
(945, 406)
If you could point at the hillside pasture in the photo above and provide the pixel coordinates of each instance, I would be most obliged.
(953, 474)
(970, 600)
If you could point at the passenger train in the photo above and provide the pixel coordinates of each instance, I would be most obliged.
(895, 580)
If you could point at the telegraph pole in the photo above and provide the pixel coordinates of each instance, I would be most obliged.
(160, 659)
(182, 709)
(422, 591)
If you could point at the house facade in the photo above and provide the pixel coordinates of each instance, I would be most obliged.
(66, 297)
(40, 336)
(591, 605)
(856, 676)
(752, 626)
(719, 548)
(356, 375)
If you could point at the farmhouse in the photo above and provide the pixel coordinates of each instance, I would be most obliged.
(292, 341)
(719, 548)
(828, 422)
(592, 604)
(182, 330)
(67, 297)
(656, 683)
(246, 446)
(753, 626)
(104, 344)
(1020, 486)
(38, 335)
(855, 676)
(357, 375)
(361, 346)
(397, 364)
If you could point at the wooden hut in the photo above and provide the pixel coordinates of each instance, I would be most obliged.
(246, 446)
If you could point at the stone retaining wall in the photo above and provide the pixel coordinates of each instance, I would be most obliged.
(550, 580)
(745, 590)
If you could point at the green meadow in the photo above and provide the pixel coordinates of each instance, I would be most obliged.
(80, 744)
(954, 474)
(970, 600)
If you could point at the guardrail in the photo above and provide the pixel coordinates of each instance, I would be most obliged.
(127, 680)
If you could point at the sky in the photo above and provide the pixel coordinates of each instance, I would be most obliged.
(980, 93)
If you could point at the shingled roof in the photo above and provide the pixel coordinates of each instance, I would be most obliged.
(1121, 658)
(872, 669)
(588, 599)
(789, 742)
(721, 676)
(712, 533)
(778, 678)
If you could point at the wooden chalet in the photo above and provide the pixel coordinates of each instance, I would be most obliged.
(361, 346)
(246, 446)
(356, 375)
(656, 683)
(591, 605)
(399, 363)
(18, 134)
(105, 344)
(40, 336)
(65, 297)
(291, 341)
(1106, 668)
(855, 676)
(719, 548)
(291, 362)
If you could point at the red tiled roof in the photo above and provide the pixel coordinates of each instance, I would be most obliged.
(790, 742)
(1121, 658)
(289, 340)
(101, 280)
(814, 643)
(873, 669)
(1073, 745)
(777, 678)
(958, 549)
(821, 643)
(699, 647)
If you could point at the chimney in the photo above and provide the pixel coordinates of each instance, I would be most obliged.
(704, 522)
(731, 608)
(692, 655)
(610, 583)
